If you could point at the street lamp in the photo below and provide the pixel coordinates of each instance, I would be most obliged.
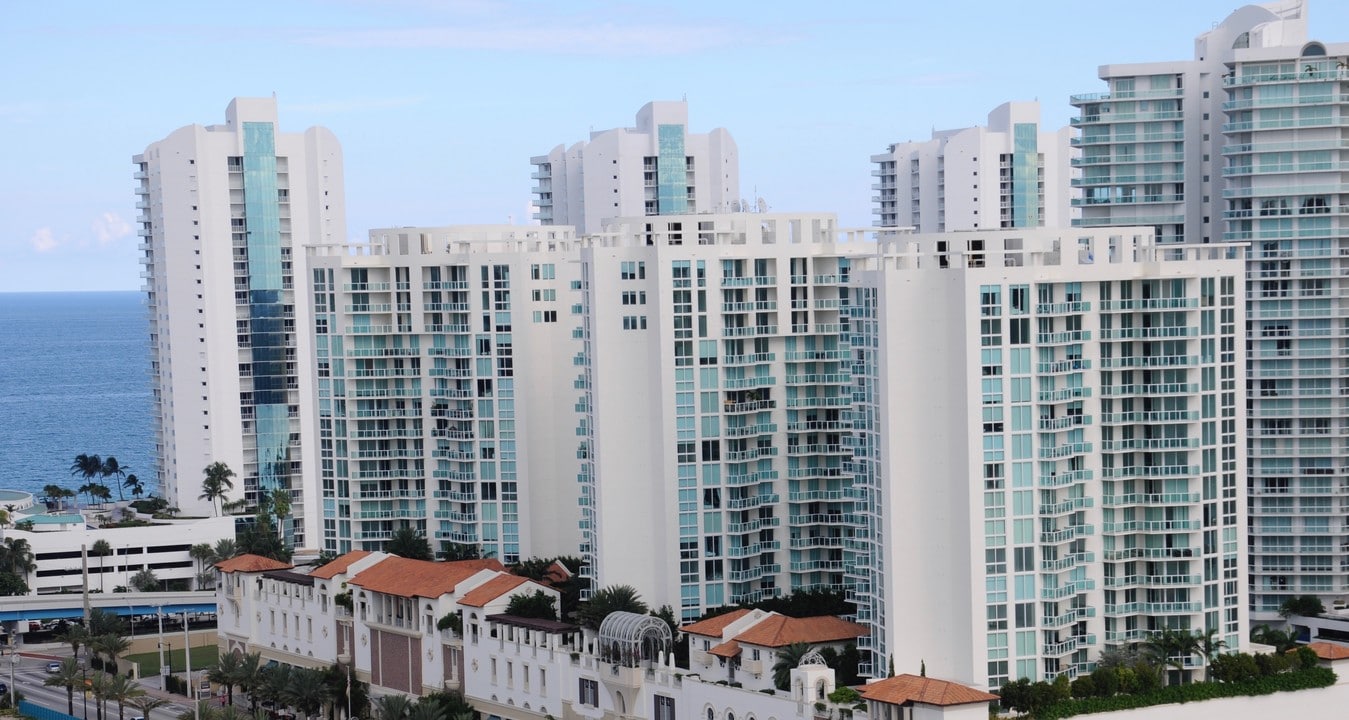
(84, 679)
(163, 667)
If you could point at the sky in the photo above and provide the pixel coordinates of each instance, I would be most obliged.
(439, 104)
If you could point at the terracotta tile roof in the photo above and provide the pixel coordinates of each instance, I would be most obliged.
(251, 563)
(713, 627)
(419, 578)
(340, 565)
(557, 573)
(1329, 651)
(492, 589)
(728, 649)
(902, 689)
(779, 630)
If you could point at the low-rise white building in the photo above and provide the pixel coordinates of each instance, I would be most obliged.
(742, 646)
(63, 540)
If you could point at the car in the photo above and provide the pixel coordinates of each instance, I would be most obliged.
(4, 689)
(53, 667)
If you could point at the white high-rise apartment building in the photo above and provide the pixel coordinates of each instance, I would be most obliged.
(448, 388)
(1007, 174)
(221, 209)
(1049, 448)
(717, 392)
(1245, 142)
(658, 167)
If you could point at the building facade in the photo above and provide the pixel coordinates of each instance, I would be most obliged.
(657, 167)
(1244, 143)
(222, 210)
(715, 410)
(1010, 173)
(444, 364)
(1052, 419)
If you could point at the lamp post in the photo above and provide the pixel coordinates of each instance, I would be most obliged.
(84, 678)
(345, 659)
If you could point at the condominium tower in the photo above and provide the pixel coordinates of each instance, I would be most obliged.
(1051, 418)
(715, 412)
(221, 209)
(1009, 173)
(448, 388)
(658, 167)
(1244, 142)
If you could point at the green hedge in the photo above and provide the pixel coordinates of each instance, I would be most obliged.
(1295, 680)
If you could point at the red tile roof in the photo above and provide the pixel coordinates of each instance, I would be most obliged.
(713, 627)
(903, 689)
(492, 589)
(728, 649)
(419, 578)
(340, 565)
(251, 563)
(780, 630)
(1329, 651)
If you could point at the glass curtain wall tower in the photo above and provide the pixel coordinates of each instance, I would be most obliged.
(223, 208)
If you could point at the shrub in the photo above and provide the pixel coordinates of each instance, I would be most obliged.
(844, 696)
(175, 685)
(1233, 668)
(1306, 658)
(1084, 687)
(1106, 681)
(1296, 680)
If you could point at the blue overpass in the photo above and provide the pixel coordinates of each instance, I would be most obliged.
(53, 607)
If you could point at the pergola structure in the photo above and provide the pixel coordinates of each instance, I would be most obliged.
(629, 638)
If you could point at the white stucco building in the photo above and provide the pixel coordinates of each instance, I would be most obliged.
(1008, 173)
(1049, 448)
(447, 389)
(1243, 142)
(223, 211)
(657, 167)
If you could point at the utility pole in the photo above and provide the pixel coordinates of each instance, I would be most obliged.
(163, 667)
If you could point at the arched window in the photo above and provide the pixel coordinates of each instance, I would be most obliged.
(1314, 49)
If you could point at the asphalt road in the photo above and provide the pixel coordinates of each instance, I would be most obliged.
(30, 673)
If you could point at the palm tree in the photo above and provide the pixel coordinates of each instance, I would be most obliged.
(144, 703)
(217, 484)
(17, 556)
(225, 548)
(110, 646)
(613, 598)
(87, 467)
(100, 491)
(122, 688)
(281, 508)
(1171, 648)
(70, 676)
(393, 707)
(99, 685)
(204, 555)
(306, 691)
(426, 709)
(1280, 640)
(272, 683)
(54, 493)
(408, 542)
(248, 676)
(135, 485)
(787, 659)
(112, 468)
(1209, 645)
(100, 549)
(75, 636)
(145, 581)
(226, 672)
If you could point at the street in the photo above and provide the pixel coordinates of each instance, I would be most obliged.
(30, 673)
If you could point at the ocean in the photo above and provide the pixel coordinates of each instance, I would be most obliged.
(74, 378)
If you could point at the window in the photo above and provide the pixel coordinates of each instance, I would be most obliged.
(664, 708)
(588, 692)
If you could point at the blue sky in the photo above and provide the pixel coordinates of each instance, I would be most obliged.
(440, 104)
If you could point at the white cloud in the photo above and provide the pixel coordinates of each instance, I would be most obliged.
(43, 240)
(109, 227)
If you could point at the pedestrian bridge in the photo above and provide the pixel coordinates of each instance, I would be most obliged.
(52, 607)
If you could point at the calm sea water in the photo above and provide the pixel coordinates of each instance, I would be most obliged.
(74, 378)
